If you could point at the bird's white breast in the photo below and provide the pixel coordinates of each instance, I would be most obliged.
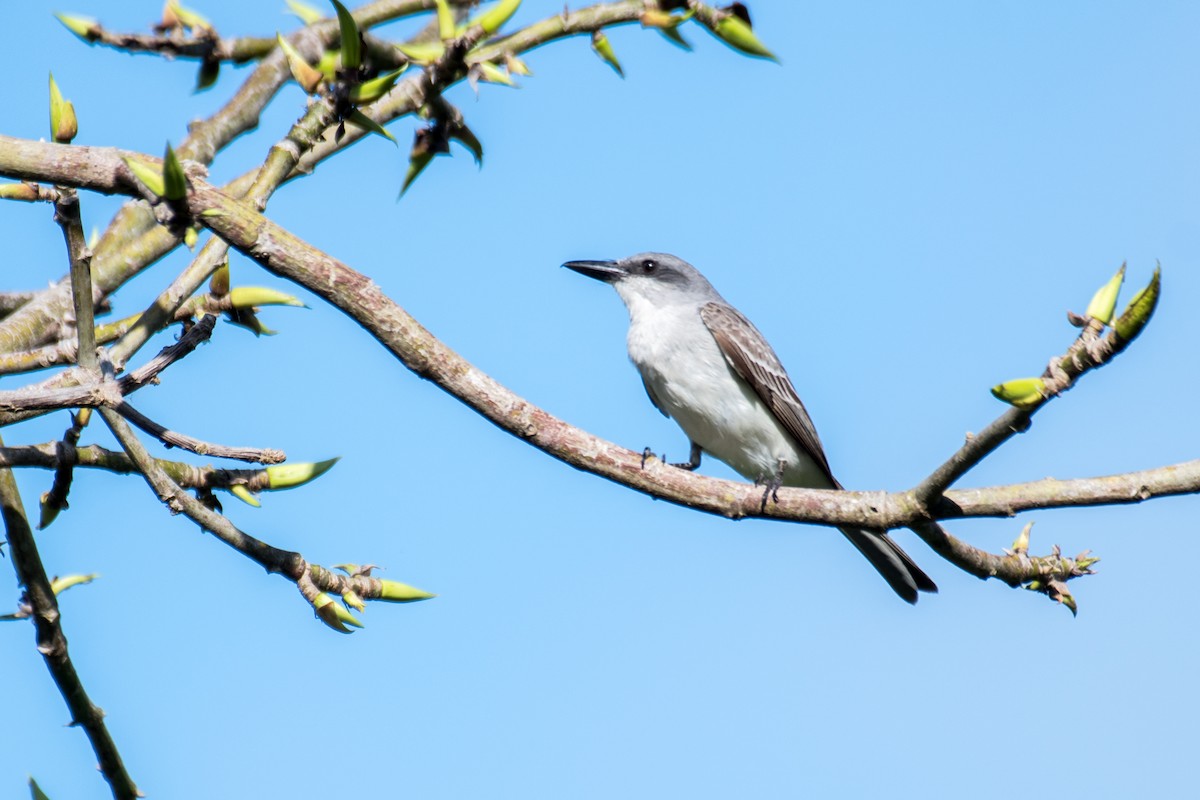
(682, 364)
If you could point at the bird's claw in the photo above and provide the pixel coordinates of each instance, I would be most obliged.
(693, 459)
(771, 484)
(771, 491)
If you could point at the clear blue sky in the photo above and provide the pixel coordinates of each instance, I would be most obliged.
(906, 206)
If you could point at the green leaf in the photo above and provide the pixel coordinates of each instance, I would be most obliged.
(210, 70)
(240, 491)
(416, 164)
(149, 176)
(60, 585)
(494, 18)
(351, 41)
(1135, 316)
(36, 792)
(1105, 300)
(671, 34)
(186, 16)
(490, 73)
(175, 184)
(334, 614)
(307, 14)
(246, 318)
(370, 91)
(63, 125)
(422, 52)
(289, 476)
(445, 17)
(396, 592)
(734, 31)
(83, 27)
(360, 119)
(1021, 392)
(253, 296)
(468, 139)
(603, 48)
(305, 75)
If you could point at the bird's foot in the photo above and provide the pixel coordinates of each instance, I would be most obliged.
(648, 453)
(771, 485)
(693, 459)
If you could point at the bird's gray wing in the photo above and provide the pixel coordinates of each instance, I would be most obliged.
(748, 353)
(752, 358)
(653, 399)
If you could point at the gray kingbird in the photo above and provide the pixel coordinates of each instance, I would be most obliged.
(707, 367)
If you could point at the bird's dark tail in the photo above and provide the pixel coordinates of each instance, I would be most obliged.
(904, 576)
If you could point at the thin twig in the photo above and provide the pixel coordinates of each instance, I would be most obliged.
(93, 456)
(67, 215)
(66, 456)
(149, 372)
(280, 161)
(58, 392)
(52, 643)
(272, 559)
(290, 565)
(1014, 568)
(1125, 488)
(1089, 351)
(172, 438)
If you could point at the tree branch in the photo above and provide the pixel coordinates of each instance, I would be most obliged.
(309, 578)
(133, 239)
(285, 255)
(52, 394)
(181, 440)
(52, 643)
(188, 476)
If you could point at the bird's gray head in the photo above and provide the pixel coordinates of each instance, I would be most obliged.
(654, 279)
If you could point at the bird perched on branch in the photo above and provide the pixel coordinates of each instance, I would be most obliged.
(708, 368)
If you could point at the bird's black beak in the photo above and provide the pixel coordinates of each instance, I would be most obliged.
(606, 271)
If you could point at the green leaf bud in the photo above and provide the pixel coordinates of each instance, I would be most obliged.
(289, 476)
(60, 585)
(351, 40)
(175, 14)
(370, 91)
(352, 600)
(494, 18)
(63, 124)
(490, 73)
(396, 592)
(240, 491)
(210, 70)
(334, 614)
(150, 176)
(445, 17)
(175, 185)
(604, 49)
(27, 192)
(735, 32)
(422, 52)
(308, 78)
(1022, 392)
(1105, 299)
(83, 27)
(360, 119)
(307, 14)
(254, 296)
(1135, 316)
